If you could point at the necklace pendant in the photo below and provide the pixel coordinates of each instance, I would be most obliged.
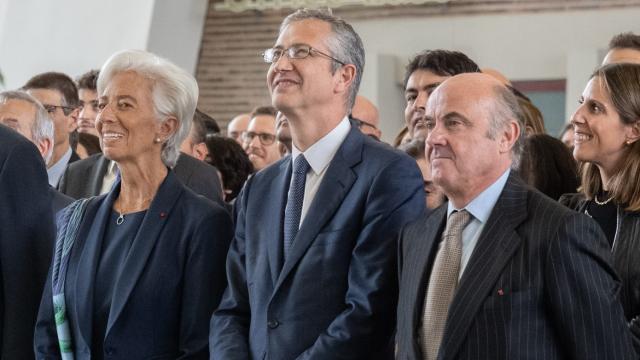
(120, 219)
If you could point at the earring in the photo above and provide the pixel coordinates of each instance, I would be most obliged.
(156, 140)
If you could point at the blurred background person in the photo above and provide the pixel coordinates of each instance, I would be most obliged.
(88, 96)
(533, 120)
(237, 126)
(547, 165)
(416, 149)
(232, 163)
(259, 141)
(23, 113)
(283, 134)
(150, 264)
(194, 143)
(623, 48)
(607, 129)
(567, 135)
(367, 117)
(402, 137)
(59, 95)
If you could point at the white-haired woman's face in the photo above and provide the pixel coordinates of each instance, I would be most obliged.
(126, 120)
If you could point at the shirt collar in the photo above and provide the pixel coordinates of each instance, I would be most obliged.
(111, 168)
(482, 205)
(56, 170)
(322, 151)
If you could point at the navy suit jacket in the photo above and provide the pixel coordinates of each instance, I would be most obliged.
(172, 280)
(538, 285)
(26, 238)
(334, 297)
(83, 178)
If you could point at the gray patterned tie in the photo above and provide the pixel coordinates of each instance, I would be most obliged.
(295, 197)
(442, 284)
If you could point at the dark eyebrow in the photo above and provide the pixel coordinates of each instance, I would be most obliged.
(457, 116)
(432, 86)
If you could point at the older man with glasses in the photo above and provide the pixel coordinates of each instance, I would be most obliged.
(259, 141)
(59, 96)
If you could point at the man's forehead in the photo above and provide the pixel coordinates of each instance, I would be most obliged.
(263, 123)
(622, 55)
(46, 95)
(307, 31)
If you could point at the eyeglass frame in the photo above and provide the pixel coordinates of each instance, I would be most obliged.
(51, 109)
(288, 51)
(260, 135)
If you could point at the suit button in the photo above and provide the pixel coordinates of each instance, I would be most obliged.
(272, 324)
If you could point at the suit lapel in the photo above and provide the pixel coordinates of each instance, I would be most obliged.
(148, 234)
(97, 175)
(88, 263)
(274, 228)
(335, 185)
(496, 245)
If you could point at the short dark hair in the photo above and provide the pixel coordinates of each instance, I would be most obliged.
(232, 162)
(202, 125)
(56, 81)
(263, 110)
(90, 142)
(548, 165)
(441, 63)
(88, 80)
(626, 40)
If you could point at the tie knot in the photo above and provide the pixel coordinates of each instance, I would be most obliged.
(458, 220)
(300, 166)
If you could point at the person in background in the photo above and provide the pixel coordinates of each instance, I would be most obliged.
(87, 145)
(567, 136)
(423, 74)
(144, 268)
(367, 117)
(194, 143)
(623, 48)
(533, 120)
(607, 130)
(402, 137)
(232, 163)
(416, 149)
(548, 165)
(88, 96)
(237, 126)
(59, 96)
(259, 141)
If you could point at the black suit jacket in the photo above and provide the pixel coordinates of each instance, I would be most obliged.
(538, 285)
(26, 235)
(83, 178)
(334, 297)
(58, 201)
(172, 280)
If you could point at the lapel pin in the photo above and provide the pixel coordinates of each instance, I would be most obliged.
(163, 214)
(500, 292)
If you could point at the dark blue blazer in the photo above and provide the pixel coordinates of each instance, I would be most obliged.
(172, 280)
(335, 296)
(538, 285)
(26, 241)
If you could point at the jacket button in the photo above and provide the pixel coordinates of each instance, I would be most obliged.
(272, 324)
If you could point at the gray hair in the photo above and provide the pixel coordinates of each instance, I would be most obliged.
(175, 92)
(507, 109)
(345, 44)
(42, 127)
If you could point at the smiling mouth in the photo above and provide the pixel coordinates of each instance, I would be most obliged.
(581, 137)
(112, 136)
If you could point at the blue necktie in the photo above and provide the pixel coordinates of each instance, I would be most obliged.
(294, 202)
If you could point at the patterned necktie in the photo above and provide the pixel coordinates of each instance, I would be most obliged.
(294, 203)
(442, 284)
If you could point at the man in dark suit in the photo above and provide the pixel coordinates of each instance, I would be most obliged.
(59, 96)
(312, 270)
(86, 177)
(26, 238)
(500, 271)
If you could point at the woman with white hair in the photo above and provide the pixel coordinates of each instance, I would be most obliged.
(138, 271)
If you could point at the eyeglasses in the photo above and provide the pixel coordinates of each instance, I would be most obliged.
(51, 109)
(300, 51)
(265, 138)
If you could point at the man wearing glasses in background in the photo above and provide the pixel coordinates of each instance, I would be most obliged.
(59, 96)
(259, 141)
(312, 269)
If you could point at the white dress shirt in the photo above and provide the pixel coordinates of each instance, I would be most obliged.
(56, 171)
(319, 155)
